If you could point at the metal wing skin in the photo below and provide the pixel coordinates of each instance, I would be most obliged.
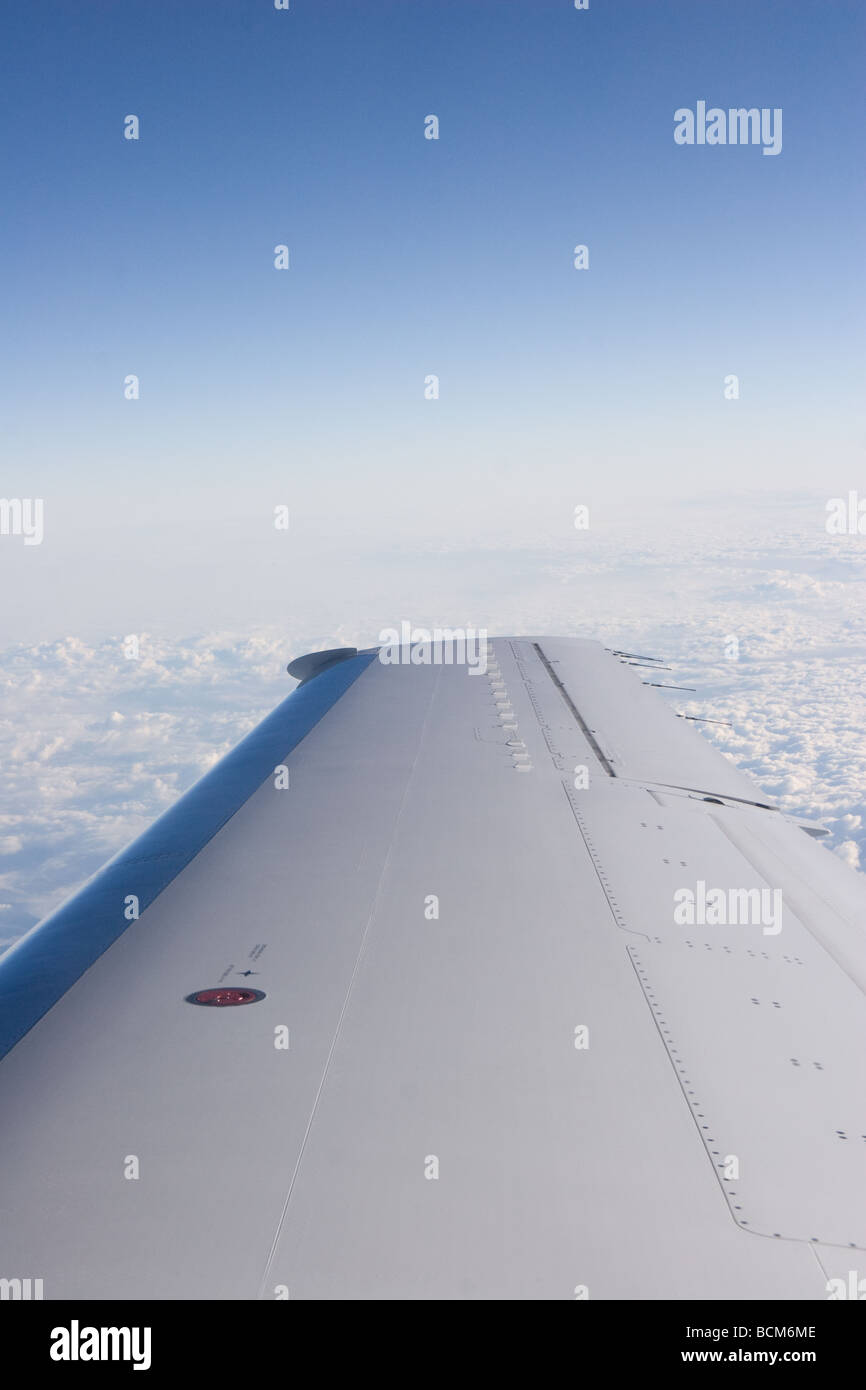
(545, 1001)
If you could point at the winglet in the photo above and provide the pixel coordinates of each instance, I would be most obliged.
(304, 668)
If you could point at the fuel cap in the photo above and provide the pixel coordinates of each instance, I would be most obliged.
(221, 997)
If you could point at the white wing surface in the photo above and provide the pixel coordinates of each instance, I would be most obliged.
(480, 1057)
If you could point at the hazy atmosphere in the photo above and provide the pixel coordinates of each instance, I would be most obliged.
(324, 318)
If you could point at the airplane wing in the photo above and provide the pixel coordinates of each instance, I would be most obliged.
(446, 984)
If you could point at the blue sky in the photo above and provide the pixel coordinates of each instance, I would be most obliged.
(305, 387)
(411, 256)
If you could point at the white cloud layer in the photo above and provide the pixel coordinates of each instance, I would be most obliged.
(94, 746)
